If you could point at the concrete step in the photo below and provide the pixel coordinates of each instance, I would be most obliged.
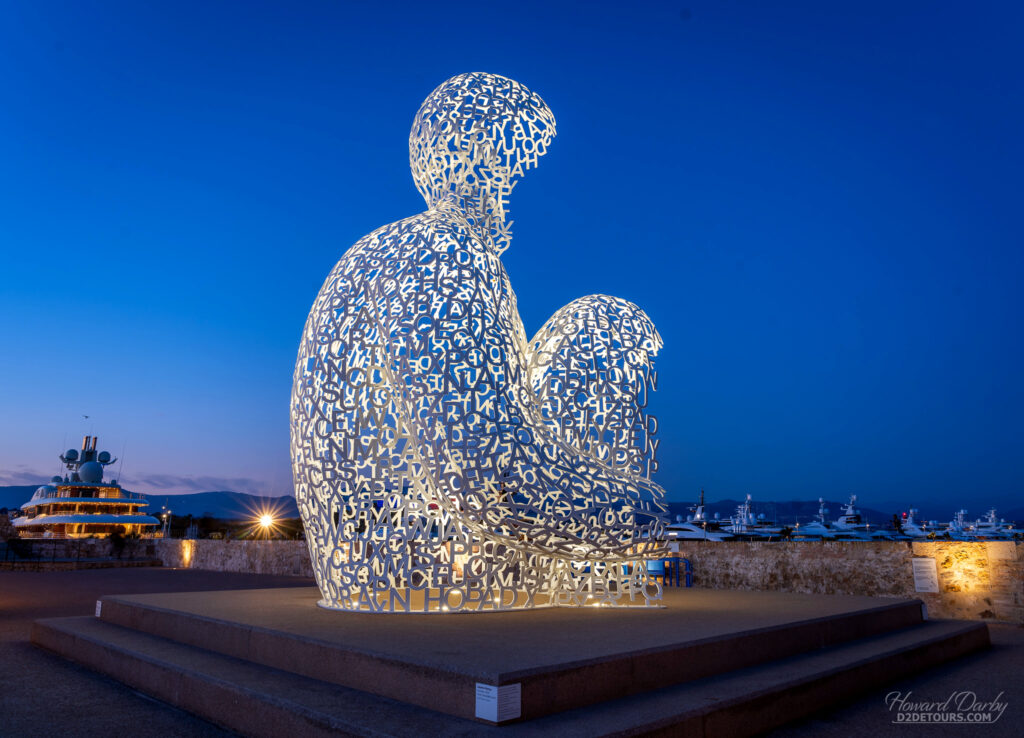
(259, 701)
(437, 661)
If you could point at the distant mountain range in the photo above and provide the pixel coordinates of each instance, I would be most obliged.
(13, 497)
(241, 506)
(225, 505)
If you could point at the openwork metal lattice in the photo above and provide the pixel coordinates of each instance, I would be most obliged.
(442, 461)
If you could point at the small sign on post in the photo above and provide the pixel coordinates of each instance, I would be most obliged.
(498, 704)
(926, 574)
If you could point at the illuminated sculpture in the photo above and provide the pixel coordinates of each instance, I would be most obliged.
(442, 461)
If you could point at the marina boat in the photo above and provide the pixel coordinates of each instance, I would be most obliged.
(817, 528)
(850, 524)
(957, 528)
(913, 529)
(991, 527)
(696, 526)
(744, 524)
(848, 530)
(80, 504)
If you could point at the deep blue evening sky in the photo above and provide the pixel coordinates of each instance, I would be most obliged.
(818, 204)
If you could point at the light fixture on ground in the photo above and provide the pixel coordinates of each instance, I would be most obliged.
(443, 461)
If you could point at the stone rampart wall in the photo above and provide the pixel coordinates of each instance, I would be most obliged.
(64, 554)
(285, 558)
(977, 581)
(81, 548)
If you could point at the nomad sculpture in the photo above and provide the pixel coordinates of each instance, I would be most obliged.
(442, 461)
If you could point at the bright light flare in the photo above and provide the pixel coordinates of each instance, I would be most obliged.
(265, 520)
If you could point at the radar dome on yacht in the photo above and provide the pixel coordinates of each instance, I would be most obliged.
(91, 472)
(81, 505)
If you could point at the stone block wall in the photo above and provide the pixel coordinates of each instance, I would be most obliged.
(285, 558)
(82, 548)
(977, 581)
(65, 554)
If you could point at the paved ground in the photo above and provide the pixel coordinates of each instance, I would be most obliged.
(43, 694)
(987, 675)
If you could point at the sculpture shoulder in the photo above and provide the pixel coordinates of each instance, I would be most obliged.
(436, 230)
(422, 243)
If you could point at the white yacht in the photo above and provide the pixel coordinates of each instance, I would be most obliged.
(847, 528)
(745, 524)
(819, 527)
(912, 528)
(957, 528)
(81, 504)
(696, 526)
(990, 527)
(850, 523)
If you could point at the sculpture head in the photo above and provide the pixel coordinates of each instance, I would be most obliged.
(472, 139)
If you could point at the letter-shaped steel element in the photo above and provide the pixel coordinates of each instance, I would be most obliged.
(442, 461)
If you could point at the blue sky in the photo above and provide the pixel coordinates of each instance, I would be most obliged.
(818, 205)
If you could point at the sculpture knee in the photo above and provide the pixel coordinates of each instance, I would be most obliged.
(592, 368)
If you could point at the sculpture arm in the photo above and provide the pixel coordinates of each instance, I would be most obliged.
(460, 361)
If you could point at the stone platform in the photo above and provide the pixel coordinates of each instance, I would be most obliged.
(263, 662)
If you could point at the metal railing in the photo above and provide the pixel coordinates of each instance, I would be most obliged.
(673, 571)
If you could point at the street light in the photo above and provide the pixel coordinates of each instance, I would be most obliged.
(264, 520)
(266, 524)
